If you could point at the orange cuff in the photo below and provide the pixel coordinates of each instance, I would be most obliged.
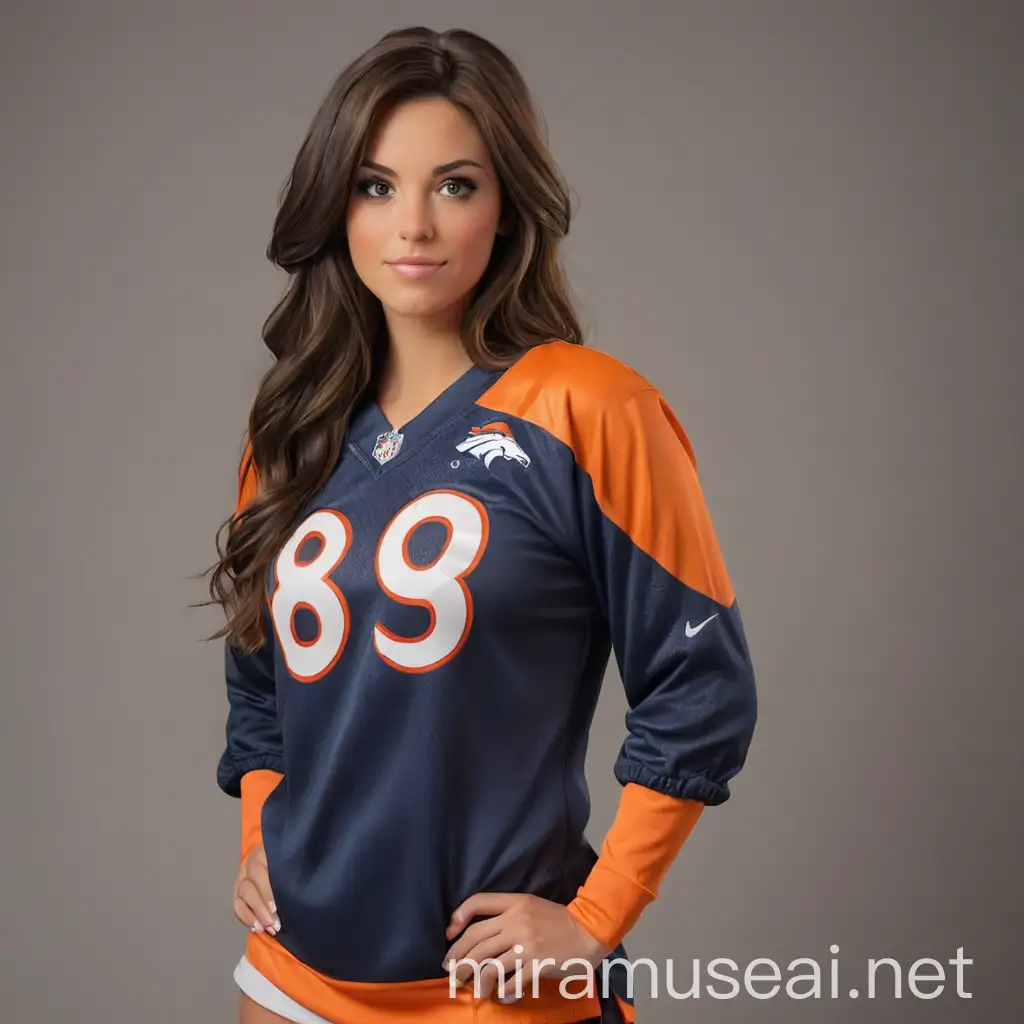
(648, 831)
(256, 786)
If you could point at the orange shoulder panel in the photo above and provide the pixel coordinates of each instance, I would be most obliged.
(623, 434)
(248, 480)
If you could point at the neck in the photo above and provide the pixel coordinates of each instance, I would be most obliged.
(422, 359)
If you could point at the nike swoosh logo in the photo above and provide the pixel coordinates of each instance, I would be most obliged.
(694, 630)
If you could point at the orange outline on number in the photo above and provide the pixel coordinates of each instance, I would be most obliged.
(420, 602)
(324, 578)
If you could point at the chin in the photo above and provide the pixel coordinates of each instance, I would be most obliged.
(406, 308)
(416, 305)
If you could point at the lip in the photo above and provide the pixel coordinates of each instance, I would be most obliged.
(415, 266)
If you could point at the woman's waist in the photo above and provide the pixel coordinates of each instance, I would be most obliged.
(376, 908)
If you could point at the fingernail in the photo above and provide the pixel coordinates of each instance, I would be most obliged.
(273, 907)
(257, 927)
(277, 923)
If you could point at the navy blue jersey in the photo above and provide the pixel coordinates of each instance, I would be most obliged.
(439, 625)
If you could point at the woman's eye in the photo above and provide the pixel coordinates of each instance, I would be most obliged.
(369, 187)
(464, 183)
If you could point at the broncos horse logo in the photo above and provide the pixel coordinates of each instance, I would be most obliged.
(490, 441)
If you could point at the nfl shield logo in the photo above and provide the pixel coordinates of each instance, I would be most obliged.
(387, 446)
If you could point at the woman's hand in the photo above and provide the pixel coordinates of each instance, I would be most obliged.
(542, 929)
(254, 902)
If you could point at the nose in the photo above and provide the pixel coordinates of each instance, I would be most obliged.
(415, 217)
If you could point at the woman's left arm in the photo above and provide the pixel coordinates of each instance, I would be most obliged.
(644, 533)
(679, 642)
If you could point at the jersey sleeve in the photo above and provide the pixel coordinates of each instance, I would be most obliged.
(650, 549)
(252, 762)
(648, 831)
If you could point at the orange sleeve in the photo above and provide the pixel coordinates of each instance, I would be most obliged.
(258, 784)
(648, 831)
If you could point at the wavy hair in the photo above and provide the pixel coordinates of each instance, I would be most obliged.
(327, 332)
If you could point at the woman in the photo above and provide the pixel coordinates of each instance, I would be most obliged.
(450, 514)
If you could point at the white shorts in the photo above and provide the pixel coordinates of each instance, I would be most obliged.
(263, 991)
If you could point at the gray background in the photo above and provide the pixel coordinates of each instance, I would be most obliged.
(802, 220)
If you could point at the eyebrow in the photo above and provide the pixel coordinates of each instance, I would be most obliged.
(440, 169)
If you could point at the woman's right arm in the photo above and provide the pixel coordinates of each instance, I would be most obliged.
(252, 763)
(251, 766)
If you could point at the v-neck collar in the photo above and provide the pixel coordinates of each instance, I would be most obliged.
(369, 423)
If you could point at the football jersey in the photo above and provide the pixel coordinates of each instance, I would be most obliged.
(439, 624)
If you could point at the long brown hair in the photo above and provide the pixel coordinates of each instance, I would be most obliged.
(327, 331)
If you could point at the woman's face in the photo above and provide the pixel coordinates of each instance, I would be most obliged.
(427, 189)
